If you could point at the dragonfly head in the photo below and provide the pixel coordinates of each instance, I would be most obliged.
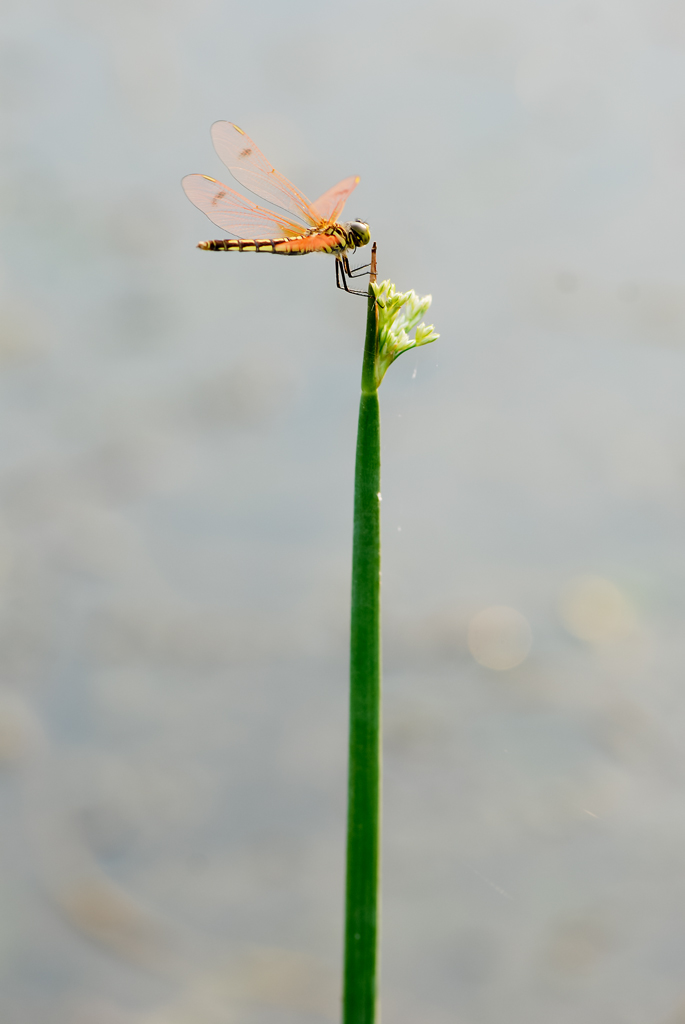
(359, 233)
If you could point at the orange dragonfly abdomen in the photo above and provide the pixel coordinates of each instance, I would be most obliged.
(300, 245)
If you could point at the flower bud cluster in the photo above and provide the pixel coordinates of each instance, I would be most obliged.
(398, 314)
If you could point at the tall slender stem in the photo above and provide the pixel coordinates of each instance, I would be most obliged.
(363, 826)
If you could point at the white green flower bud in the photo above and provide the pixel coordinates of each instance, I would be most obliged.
(398, 315)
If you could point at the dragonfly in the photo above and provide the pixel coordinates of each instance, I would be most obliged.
(311, 227)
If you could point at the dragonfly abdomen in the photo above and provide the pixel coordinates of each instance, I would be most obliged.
(299, 245)
(242, 244)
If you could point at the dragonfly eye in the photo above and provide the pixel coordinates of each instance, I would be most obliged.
(360, 232)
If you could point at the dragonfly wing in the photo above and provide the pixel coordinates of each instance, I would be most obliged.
(251, 168)
(234, 213)
(329, 206)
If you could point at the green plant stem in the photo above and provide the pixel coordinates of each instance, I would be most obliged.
(363, 825)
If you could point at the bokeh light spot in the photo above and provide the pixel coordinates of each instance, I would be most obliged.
(499, 637)
(595, 610)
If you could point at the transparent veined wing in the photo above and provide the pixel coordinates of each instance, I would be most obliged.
(234, 213)
(329, 206)
(251, 168)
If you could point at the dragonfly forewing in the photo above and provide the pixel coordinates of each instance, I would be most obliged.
(249, 166)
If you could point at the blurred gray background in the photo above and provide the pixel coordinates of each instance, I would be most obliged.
(177, 438)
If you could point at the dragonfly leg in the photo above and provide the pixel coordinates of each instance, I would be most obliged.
(342, 272)
(358, 271)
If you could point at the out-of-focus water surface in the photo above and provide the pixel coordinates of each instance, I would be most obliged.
(177, 441)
